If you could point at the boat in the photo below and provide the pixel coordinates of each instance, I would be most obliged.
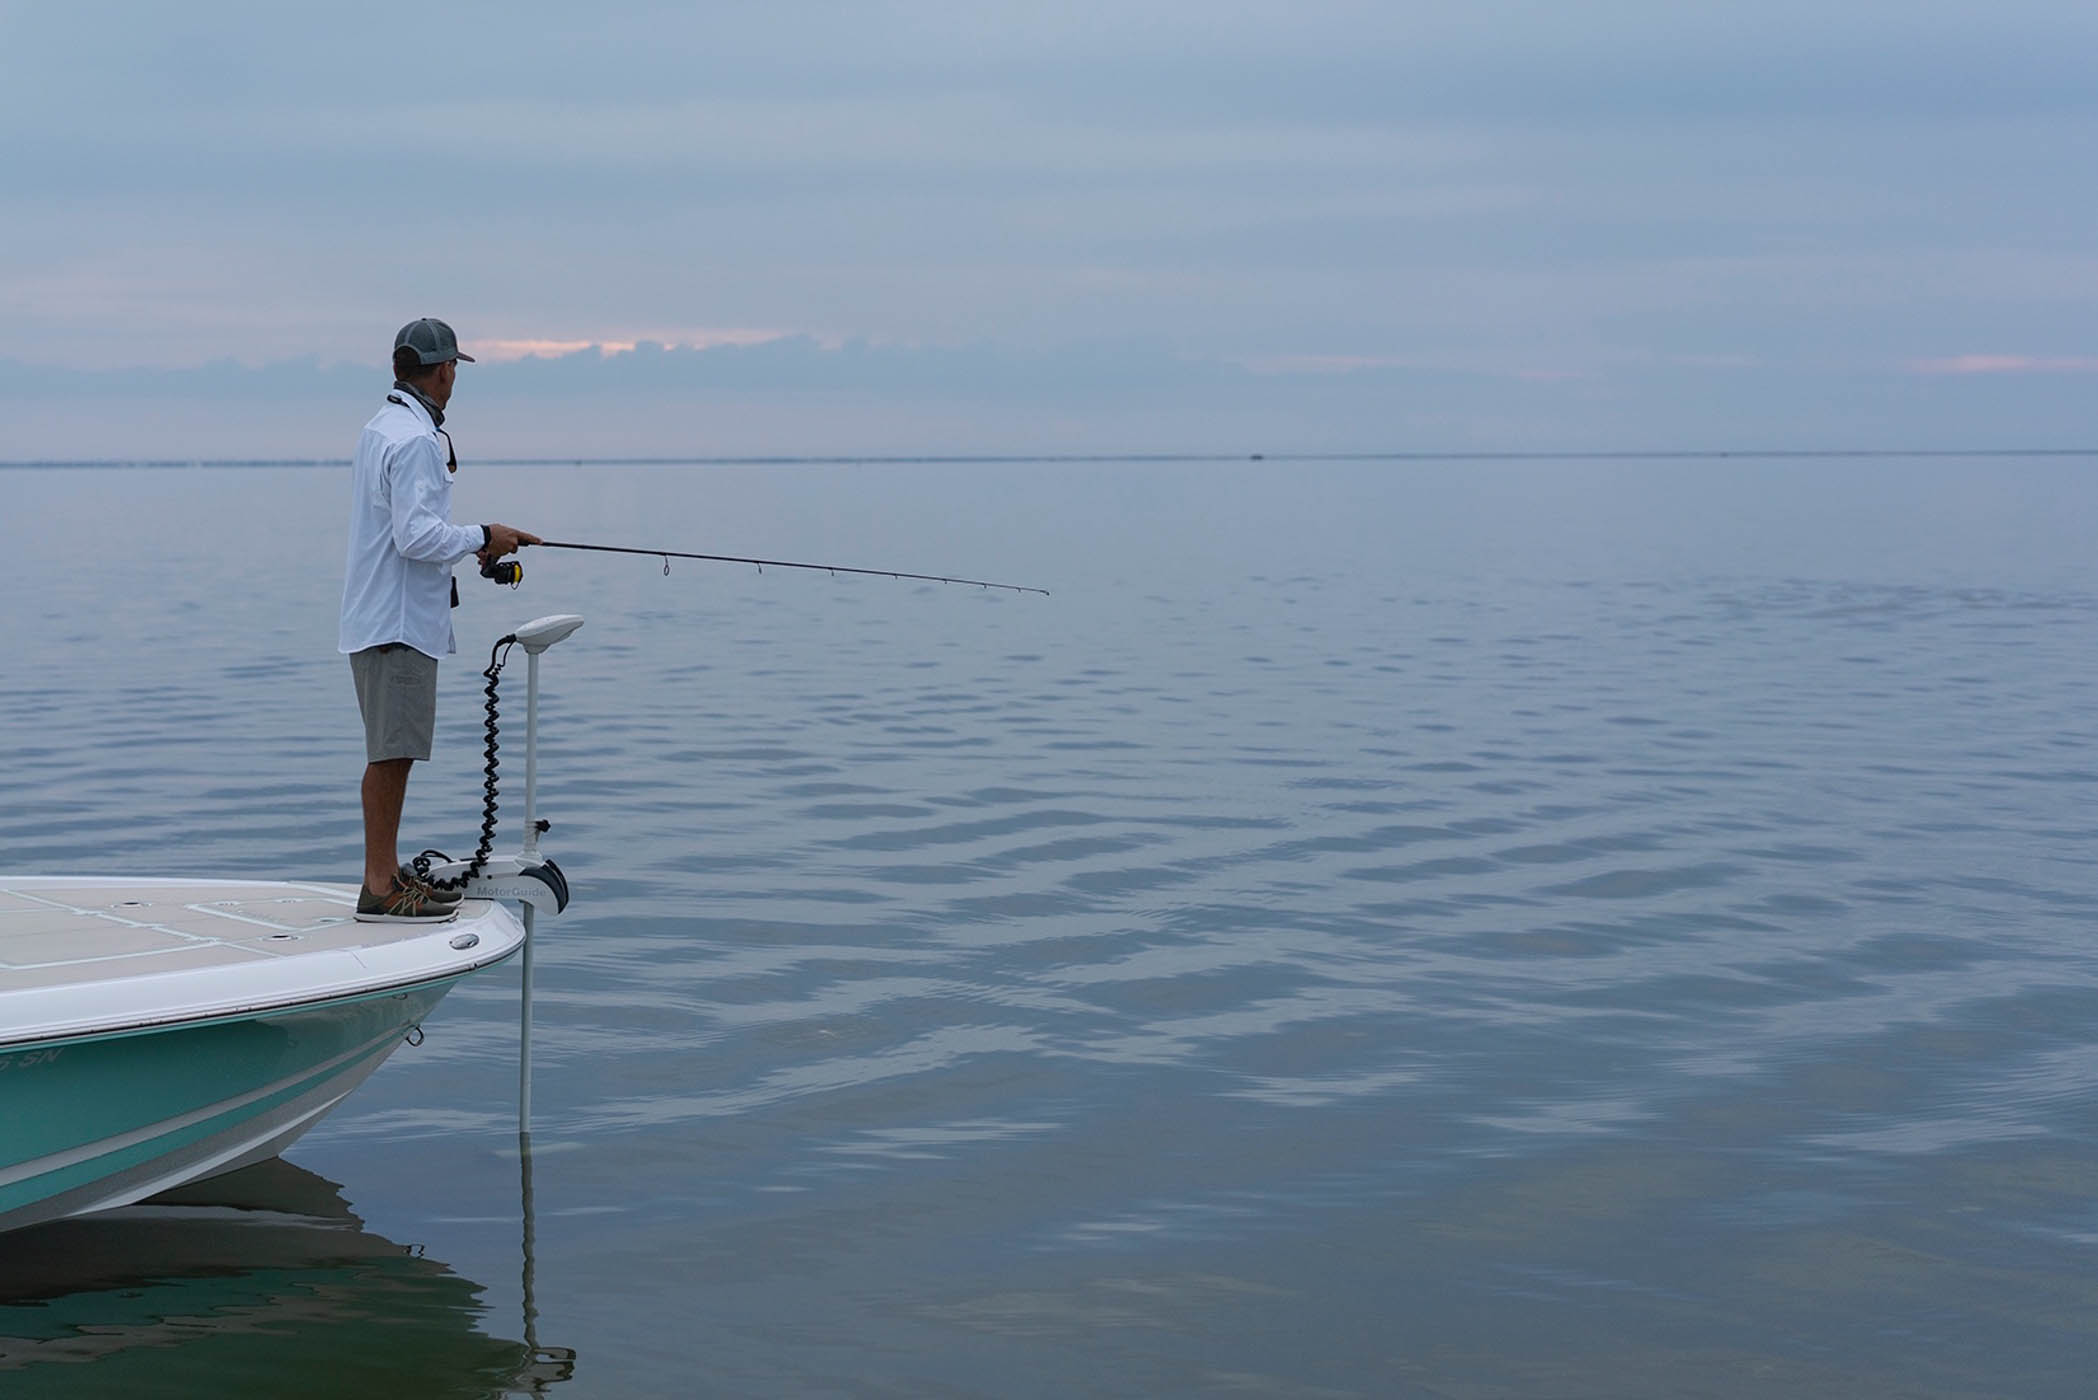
(154, 1033)
(157, 1032)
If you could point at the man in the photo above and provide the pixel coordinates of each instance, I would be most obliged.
(397, 597)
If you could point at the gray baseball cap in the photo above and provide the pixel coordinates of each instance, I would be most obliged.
(431, 340)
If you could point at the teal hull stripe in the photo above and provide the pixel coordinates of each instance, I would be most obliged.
(288, 1087)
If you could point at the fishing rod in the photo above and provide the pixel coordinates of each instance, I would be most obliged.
(512, 572)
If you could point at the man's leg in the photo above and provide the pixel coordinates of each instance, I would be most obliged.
(385, 792)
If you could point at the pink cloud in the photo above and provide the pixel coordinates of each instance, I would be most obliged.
(499, 349)
(2007, 364)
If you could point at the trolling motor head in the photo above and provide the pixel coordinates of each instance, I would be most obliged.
(542, 632)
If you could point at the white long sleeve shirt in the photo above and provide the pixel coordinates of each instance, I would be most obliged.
(397, 583)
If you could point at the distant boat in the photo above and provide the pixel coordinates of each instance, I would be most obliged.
(157, 1032)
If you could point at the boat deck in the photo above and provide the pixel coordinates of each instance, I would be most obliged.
(55, 930)
(72, 944)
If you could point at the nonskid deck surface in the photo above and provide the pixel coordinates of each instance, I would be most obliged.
(58, 930)
(161, 948)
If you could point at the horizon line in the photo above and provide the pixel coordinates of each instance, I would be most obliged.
(1009, 459)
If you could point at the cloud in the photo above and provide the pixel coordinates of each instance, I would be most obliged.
(795, 397)
(936, 202)
(763, 363)
(500, 351)
(2007, 364)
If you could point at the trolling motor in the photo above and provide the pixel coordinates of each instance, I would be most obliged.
(527, 877)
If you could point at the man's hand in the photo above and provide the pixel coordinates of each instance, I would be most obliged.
(504, 539)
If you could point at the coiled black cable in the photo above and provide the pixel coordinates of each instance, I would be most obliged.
(498, 657)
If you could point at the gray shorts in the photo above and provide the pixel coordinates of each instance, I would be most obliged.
(397, 694)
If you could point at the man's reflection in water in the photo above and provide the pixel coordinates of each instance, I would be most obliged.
(260, 1282)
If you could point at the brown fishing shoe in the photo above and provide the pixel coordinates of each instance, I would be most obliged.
(437, 893)
(405, 903)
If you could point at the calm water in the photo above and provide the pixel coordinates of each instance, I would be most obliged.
(1553, 930)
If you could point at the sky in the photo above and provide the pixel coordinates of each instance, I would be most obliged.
(879, 228)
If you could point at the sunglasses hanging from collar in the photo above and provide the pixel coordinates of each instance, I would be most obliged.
(451, 456)
(451, 464)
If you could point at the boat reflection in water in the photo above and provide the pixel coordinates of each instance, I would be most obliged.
(260, 1282)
